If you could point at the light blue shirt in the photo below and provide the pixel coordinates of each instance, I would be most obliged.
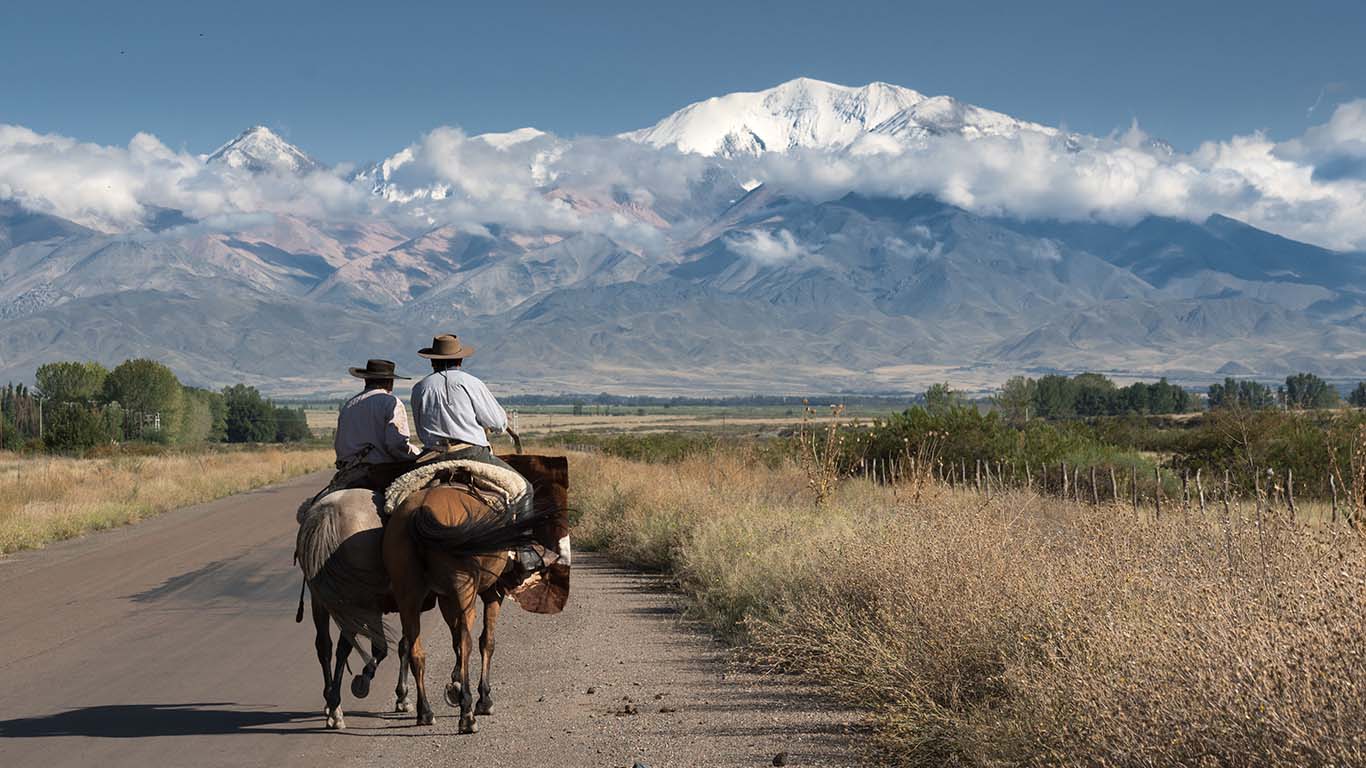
(452, 405)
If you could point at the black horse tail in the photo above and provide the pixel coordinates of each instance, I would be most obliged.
(497, 531)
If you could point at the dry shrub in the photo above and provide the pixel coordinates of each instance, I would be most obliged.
(45, 499)
(1020, 630)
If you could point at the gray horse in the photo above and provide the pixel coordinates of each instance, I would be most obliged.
(339, 549)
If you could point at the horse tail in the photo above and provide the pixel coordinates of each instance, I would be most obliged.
(499, 530)
(347, 591)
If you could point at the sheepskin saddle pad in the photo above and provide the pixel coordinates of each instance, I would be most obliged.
(500, 487)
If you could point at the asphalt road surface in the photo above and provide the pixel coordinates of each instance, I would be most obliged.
(173, 643)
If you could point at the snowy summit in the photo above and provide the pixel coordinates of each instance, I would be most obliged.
(813, 114)
(260, 150)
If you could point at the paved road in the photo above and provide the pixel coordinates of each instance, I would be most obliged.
(173, 643)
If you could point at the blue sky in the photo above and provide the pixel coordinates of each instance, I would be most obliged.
(357, 80)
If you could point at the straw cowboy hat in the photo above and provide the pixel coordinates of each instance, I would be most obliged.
(447, 346)
(377, 369)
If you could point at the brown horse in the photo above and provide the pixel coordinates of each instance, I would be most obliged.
(448, 542)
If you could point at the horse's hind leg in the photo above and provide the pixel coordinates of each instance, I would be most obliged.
(335, 720)
(459, 611)
(323, 643)
(455, 689)
(379, 649)
(493, 605)
(401, 701)
(411, 616)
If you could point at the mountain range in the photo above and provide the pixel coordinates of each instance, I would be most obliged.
(717, 284)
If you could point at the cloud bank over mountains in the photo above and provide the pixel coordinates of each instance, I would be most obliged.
(1311, 188)
(809, 237)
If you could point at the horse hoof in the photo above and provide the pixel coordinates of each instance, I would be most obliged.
(468, 725)
(403, 705)
(360, 686)
(425, 718)
(483, 707)
(336, 721)
(453, 694)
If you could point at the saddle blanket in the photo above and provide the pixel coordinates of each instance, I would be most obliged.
(504, 486)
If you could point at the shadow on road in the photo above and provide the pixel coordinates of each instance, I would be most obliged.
(119, 721)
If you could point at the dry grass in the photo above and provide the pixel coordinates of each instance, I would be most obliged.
(45, 499)
(1018, 630)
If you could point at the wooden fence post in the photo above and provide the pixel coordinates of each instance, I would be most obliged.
(1200, 489)
(1133, 488)
(1157, 492)
(1290, 490)
(1333, 486)
(1064, 481)
(1029, 476)
(1114, 486)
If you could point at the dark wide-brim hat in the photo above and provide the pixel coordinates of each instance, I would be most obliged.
(377, 369)
(447, 346)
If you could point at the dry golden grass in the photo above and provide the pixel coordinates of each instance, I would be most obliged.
(45, 499)
(1019, 630)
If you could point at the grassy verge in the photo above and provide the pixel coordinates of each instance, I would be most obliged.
(1019, 630)
(44, 499)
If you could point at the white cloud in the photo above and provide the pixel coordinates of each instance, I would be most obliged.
(115, 188)
(1311, 188)
(767, 248)
(1280, 187)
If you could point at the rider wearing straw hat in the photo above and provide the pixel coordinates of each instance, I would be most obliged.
(452, 409)
(372, 430)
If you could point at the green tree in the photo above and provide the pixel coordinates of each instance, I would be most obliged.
(1234, 393)
(203, 417)
(151, 398)
(1093, 395)
(1305, 390)
(74, 427)
(1358, 396)
(249, 418)
(72, 382)
(941, 397)
(1166, 398)
(291, 425)
(1054, 397)
(1015, 399)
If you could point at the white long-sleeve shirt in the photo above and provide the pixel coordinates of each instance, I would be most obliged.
(373, 418)
(452, 405)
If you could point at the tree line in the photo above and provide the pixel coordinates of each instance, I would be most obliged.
(77, 406)
(1092, 394)
(1084, 395)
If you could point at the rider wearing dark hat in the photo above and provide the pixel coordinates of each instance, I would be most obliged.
(372, 430)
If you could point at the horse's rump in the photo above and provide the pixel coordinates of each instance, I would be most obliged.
(339, 549)
(459, 522)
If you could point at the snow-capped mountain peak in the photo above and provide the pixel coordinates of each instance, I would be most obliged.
(260, 150)
(813, 114)
(510, 138)
(802, 113)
